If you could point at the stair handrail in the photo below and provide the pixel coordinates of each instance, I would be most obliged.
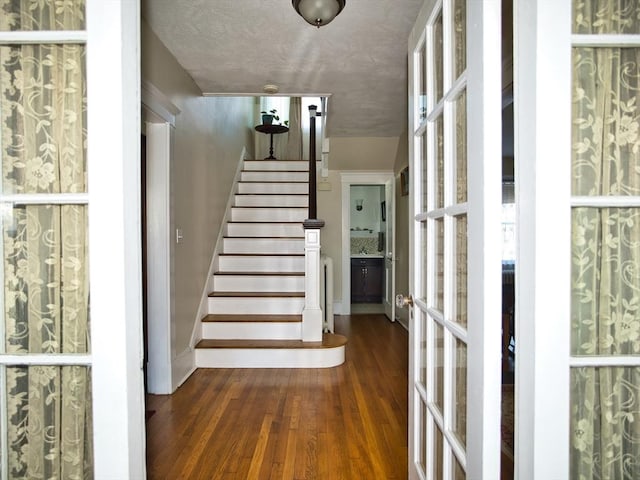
(312, 317)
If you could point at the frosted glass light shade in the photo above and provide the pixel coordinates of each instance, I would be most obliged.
(318, 12)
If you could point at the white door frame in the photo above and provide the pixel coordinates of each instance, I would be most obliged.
(387, 179)
(113, 146)
(159, 125)
(542, 116)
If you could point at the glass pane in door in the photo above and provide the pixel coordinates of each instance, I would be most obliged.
(422, 94)
(439, 164)
(424, 172)
(460, 226)
(421, 447)
(458, 471)
(459, 421)
(438, 367)
(439, 264)
(422, 325)
(42, 15)
(459, 37)
(438, 64)
(461, 147)
(604, 432)
(438, 454)
(49, 432)
(46, 297)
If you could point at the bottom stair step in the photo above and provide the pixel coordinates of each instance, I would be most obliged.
(271, 353)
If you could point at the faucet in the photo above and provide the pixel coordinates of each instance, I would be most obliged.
(363, 251)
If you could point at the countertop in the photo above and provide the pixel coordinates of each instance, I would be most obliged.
(367, 255)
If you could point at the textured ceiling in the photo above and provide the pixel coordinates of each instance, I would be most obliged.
(238, 46)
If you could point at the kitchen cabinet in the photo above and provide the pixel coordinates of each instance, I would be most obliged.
(366, 280)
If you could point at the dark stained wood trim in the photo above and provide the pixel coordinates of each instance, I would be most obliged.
(328, 341)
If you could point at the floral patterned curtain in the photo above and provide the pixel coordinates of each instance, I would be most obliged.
(45, 249)
(605, 419)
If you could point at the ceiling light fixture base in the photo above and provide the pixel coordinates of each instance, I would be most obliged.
(318, 12)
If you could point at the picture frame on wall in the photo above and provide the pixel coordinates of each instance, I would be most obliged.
(404, 181)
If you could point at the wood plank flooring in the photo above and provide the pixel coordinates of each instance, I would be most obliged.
(347, 422)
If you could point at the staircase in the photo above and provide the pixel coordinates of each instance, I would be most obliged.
(258, 289)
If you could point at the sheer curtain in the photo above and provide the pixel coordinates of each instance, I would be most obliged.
(605, 415)
(294, 142)
(281, 104)
(46, 299)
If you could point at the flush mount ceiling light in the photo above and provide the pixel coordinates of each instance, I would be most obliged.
(270, 89)
(318, 12)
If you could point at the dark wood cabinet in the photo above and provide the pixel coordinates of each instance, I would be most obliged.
(366, 280)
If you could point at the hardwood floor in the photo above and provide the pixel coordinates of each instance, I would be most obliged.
(347, 422)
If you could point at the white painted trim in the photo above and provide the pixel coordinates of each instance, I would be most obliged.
(4, 442)
(252, 330)
(312, 321)
(595, 361)
(46, 359)
(270, 358)
(604, 202)
(484, 147)
(182, 366)
(113, 126)
(348, 178)
(417, 40)
(542, 114)
(158, 102)
(610, 40)
(159, 245)
(203, 309)
(43, 36)
(46, 198)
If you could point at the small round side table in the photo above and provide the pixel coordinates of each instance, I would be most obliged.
(271, 130)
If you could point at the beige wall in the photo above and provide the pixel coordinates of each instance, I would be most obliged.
(350, 154)
(363, 153)
(209, 136)
(330, 210)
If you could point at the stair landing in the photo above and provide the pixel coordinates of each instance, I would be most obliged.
(271, 353)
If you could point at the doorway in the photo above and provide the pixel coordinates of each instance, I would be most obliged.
(367, 217)
(368, 243)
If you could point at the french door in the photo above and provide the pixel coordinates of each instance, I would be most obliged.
(71, 392)
(455, 152)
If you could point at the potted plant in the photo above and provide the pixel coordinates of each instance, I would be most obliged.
(269, 117)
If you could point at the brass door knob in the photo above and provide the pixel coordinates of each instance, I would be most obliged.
(402, 301)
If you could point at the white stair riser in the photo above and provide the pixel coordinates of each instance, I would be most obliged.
(252, 330)
(258, 283)
(298, 165)
(263, 245)
(249, 214)
(255, 176)
(265, 230)
(265, 263)
(269, 358)
(271, 201)
(256, 305)
(284, 188)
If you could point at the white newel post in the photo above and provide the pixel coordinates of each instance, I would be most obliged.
(312, 313)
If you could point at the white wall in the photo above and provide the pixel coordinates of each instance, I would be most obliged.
(209, 136)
